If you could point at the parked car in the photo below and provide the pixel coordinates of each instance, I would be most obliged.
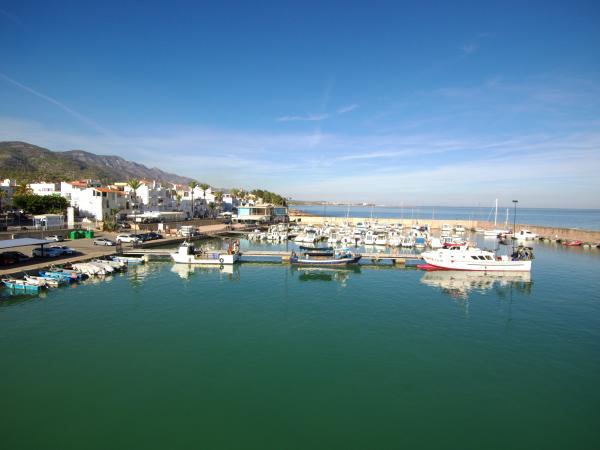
(48, 252)
(124, 226)
(63, 248)
(55, 238)
(12, 257)
(153, 235)
(144, 237)
(128, 237)
(104, 241)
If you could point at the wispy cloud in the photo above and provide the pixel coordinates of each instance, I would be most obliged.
(306, 118)
(86, 120)
(473, 45)
(347, 109)
(12, 17)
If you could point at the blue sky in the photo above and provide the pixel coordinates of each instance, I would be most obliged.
(430, 103)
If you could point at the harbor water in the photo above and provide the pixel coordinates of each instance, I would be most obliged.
(585, 219)
(269, 356)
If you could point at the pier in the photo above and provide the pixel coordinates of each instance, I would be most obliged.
(261, 255)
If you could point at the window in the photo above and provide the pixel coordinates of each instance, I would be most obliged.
(488, 257)
(482, 258)
(474, 257)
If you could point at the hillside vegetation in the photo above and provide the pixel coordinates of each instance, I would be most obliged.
(27, 162)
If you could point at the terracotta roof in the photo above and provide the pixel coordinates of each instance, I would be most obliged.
(110, 190)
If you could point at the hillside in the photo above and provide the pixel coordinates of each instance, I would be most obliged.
(27, 162)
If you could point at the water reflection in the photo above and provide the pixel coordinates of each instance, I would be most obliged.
(458, 284)
(339, 274)
(185, 271)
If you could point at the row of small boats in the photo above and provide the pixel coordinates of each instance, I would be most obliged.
(70, 273)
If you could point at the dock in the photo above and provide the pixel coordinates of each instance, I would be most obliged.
(282, 255)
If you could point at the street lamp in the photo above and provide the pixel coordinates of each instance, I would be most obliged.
(514, 236)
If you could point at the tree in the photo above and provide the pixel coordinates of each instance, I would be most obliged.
(2, 196)
(219, 198)
(204, 187)
(193, 185)
(178, 199)
(134, 184)
(40, 204)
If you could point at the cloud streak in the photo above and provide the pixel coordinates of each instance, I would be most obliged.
(307, 118)
(85, 120)
(347, 109)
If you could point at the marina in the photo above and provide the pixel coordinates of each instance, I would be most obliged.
(366, 322)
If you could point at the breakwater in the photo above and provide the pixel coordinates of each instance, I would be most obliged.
(553, 233)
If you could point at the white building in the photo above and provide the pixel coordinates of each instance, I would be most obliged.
(152, 196)
(99, 203)
(44, 188)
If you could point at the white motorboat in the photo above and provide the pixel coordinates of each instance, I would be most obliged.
(369, 238)
(472, 258)
(446, 230)
(524, 235)
(188, 254)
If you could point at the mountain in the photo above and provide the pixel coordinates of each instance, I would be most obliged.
(27, 162)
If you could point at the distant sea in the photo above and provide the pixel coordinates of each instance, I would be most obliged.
(587, 219)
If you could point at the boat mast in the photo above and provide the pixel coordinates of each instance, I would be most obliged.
(496, 215)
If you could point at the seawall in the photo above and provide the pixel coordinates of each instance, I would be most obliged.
(553, 233)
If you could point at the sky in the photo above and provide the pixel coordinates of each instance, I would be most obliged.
(396, 103)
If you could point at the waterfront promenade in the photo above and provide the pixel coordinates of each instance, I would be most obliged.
(86, 250)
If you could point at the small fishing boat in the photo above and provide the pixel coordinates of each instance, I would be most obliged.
(20, 285)
(42, 281)
(56, 274)
(89, 269)
(575, 243)
(188, 254)
(130, 259)
(339, 258)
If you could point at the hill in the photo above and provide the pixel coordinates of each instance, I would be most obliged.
(27, 162)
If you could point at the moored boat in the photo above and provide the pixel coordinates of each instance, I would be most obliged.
(20, 285)
(188, 254)
(472, 258)
(339, 258)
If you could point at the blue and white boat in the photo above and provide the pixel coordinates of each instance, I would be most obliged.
(59, 275)
(20, 285)
(340, 258)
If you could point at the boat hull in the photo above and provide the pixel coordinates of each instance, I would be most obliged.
(324, 262)
(480, 266)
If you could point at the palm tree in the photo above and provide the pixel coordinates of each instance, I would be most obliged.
(204, 187)
(192, 184)
(134, 184)
(2, 196)
(178, 199)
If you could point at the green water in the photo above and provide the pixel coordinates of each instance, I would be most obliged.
(270, 357)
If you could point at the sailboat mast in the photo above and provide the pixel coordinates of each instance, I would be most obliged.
(496, 215)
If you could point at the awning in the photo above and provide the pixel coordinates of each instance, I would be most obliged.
(11, 243)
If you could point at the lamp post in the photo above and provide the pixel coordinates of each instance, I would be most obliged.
(514, 236)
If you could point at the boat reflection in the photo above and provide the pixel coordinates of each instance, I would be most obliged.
(458, 284)
(339, 274)
(185, 271)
